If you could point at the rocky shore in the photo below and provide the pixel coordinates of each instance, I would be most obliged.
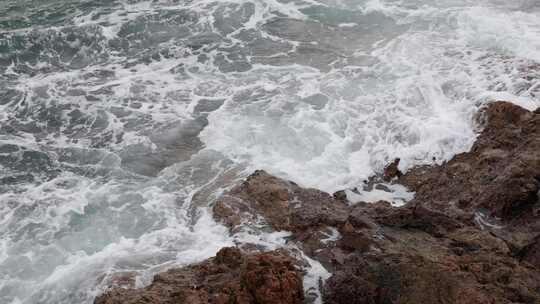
(471, 234)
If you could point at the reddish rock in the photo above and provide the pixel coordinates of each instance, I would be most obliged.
(231, 277)
(230, 256)
(471, 235)
(272, 279)
(346, 287)
(500, 174)
(456, 242)
(283, 204)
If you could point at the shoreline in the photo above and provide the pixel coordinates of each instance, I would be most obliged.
(470, 235)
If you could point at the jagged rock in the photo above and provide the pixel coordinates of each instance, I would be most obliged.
(231, 277)
(392, 171)
(415, 267)
(422, 218)
(340, 195)
(471, 235)
(531, 252)
(470, 240)
(283, 204)
(346, 287)
(353, 239)
(440, 247)
(311, 215)
(399, 278)
(501, 173)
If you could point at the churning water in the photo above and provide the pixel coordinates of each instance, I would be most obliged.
(121, 121)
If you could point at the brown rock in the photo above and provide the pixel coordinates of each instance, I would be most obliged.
(501, 173)
(232, 277)
(340, 195)
(346, 287)
(228, 211)
(353, 239)
(459, 240)
(272, 279)
(393, 279)
(470, 235)
(229, 256)
(531, 252)
(422, 218)
(471, 239)
(283, 204)
(392, 171)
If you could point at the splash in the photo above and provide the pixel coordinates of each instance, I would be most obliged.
(122, 121)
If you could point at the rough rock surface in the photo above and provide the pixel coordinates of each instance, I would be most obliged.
(283, 204)
(471, 235)
(230, 277)
(392, 171)
(496, 184)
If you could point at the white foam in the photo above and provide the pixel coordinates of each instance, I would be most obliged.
(407, 91)
(395, 194)
(314, 278)
(333, 236)
(516, 33)
(416, 104)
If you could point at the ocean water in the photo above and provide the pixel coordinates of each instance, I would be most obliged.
(121, 121)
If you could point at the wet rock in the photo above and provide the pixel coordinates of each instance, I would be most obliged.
(471, 240)
(353, 239)
(229, 256)
(272, 279)
(412, 267)
(392, 171)
(455, 242)
(531, 253)
(345, 287)
(231, 277)
(283, 204)
(469, 218)
(500, 174)
(340, 195)
(360, 215)
(470, 236)
(422, 218)
(393, 279)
